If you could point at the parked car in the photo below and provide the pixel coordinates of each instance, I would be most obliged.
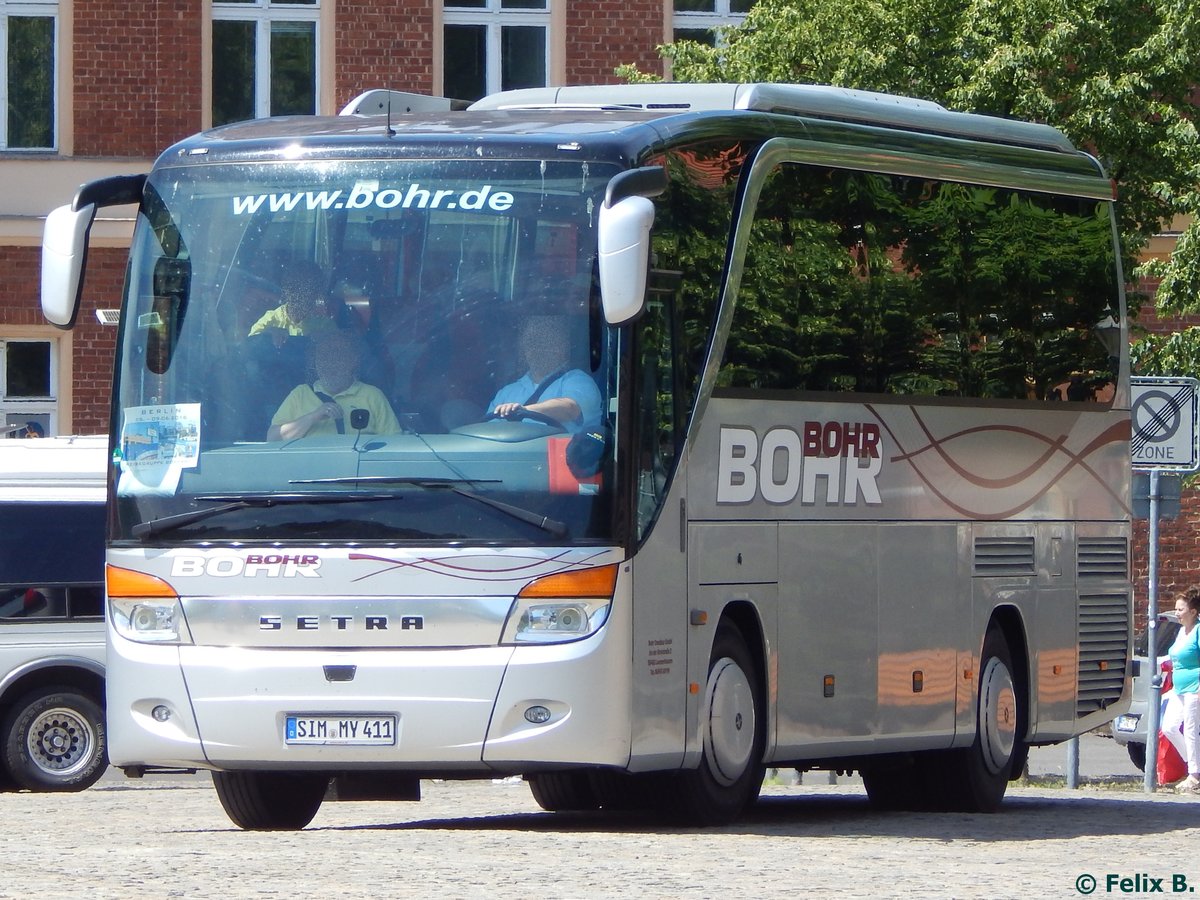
(52, 504)
(1130, 729)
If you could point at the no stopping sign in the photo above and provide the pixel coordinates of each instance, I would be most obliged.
(1163, 414)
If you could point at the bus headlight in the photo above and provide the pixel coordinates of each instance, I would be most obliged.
(563, 607)
(149, 621)
(144, 608)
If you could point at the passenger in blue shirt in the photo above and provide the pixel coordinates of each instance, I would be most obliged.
(1181, 718)
(551, 386)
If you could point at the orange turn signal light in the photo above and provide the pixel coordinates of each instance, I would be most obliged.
(599, 581)
(128, 583)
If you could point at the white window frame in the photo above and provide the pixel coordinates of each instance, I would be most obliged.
(720, 17)
(494, 18)
(263, 13)
(30, 406)
(43, 9)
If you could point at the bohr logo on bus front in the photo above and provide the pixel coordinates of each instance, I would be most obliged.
(839, 461)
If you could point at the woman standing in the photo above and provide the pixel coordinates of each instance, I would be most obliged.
(1183, 703)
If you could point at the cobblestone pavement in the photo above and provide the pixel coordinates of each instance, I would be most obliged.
(170, 838)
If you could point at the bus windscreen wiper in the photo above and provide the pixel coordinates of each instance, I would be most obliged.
(552, 526)
(145, 530)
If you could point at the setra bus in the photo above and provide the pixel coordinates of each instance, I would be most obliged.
(691, 430)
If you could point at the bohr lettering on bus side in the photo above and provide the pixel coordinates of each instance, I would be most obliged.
(786, 463)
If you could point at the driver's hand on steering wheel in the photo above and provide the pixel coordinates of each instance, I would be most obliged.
(508, 410)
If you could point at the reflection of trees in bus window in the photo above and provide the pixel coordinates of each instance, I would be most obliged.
(691, 231)
(882, 284)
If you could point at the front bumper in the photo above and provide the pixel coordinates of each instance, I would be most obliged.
(456, 709)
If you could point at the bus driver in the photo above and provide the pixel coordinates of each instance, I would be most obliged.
(550, 387)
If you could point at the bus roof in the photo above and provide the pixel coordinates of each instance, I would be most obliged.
(808, 100)
(55, 469)
(618, 123)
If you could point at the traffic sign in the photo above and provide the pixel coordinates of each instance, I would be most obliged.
(1164, 422)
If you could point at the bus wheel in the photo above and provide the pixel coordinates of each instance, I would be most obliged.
(731, 768)
(270, 801)
(563, 791)
(977, 776)
(54, 740)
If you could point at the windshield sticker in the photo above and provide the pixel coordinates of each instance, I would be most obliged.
(157, 444)
(369, 195)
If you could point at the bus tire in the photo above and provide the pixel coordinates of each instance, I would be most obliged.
(733, 721)
(270, 801)
(976, 777)
(563, 791)
(54, 740)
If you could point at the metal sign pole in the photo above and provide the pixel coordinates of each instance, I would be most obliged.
(1165, 418)
(1150, 770)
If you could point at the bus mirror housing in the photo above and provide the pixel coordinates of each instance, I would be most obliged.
(65, 243)
(64, 251)
(624, 257)
(624, 241)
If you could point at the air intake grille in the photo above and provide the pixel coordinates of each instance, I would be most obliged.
(1004, 556)
(1103, 650)
(1103, 557)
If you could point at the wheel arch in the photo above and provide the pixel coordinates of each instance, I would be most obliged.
(83, 674)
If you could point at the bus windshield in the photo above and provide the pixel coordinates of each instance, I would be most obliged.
(389, 350)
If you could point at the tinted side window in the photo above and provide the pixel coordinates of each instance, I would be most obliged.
(885, 284)
(51, 560)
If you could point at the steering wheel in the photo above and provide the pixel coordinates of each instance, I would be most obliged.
(532, 415)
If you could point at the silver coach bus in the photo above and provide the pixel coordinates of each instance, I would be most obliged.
(839, 481)
(52, 496)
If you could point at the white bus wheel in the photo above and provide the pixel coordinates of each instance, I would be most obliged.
(977, 776)
(54, 740)
(732, 718)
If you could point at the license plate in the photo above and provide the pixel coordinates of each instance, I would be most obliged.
(1127, 723)
(360, 730)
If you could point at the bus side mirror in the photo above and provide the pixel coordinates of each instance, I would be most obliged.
(64, 250)
(624, 257)
(65, 242)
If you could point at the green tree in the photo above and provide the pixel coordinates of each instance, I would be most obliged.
(1118, 78)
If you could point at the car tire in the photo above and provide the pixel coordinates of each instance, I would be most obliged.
(1137, 755)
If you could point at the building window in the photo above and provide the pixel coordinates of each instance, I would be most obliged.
(495, 45)
(697, 20)
(264, 59)
(28, 374)
(29, 35)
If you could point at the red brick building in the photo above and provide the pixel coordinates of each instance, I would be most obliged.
(100, 87)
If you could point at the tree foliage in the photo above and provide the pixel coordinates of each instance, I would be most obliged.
(1117, 77)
